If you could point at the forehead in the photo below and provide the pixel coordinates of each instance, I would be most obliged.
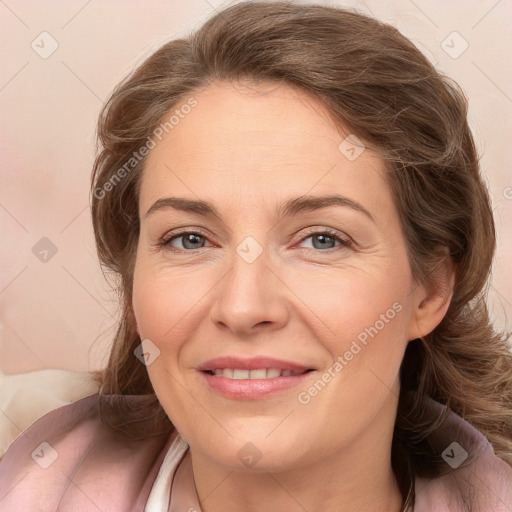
(261, 141)
(250, 119)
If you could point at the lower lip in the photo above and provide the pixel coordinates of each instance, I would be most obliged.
(252, 389)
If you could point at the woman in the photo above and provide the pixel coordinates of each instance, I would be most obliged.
(292, 202)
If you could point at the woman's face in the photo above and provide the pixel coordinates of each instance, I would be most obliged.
(297, 262)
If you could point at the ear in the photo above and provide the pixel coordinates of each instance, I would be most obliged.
(432, 298)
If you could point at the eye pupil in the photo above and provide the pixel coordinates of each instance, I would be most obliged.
(323, 239)
(191, 238)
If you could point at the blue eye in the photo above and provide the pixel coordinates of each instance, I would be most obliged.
(190, 240)
(322, 240)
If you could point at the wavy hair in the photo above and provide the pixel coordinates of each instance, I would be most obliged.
(376, 83)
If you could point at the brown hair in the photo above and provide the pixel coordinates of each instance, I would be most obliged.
(378, 84)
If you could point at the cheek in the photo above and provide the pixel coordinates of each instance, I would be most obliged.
(364, 330)
(362, 318)
(366, 311)
(163, 305)
(164, 299)
(355, 302)
(149, 304)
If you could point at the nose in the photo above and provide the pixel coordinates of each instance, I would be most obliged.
(251, 298)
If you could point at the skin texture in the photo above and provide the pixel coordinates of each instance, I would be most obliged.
(247, 150)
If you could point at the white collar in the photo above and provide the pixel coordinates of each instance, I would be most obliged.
(158, 500)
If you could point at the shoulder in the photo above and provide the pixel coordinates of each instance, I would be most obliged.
(473, 477)
(26, 397)
(69, 460)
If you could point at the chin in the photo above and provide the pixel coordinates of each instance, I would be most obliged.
(252, 450)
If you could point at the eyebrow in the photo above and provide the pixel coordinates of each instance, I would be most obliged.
(290, 207)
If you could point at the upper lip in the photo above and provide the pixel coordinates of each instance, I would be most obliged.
(251, 363)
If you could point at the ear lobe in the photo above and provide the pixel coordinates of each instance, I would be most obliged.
(432, 299)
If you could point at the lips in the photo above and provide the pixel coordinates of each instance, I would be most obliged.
(252, 378)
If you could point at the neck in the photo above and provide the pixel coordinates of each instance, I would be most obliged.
(316, 489)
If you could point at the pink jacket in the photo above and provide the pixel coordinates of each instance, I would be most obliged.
(68, 461)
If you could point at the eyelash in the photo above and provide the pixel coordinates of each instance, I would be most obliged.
(343, 242)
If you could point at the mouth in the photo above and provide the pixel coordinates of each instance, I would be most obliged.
(253, 378)
(259, 373)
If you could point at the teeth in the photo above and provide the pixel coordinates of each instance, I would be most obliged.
(258, 374)
(262, 373)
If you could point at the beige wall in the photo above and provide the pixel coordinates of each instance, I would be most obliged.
(60, 313)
